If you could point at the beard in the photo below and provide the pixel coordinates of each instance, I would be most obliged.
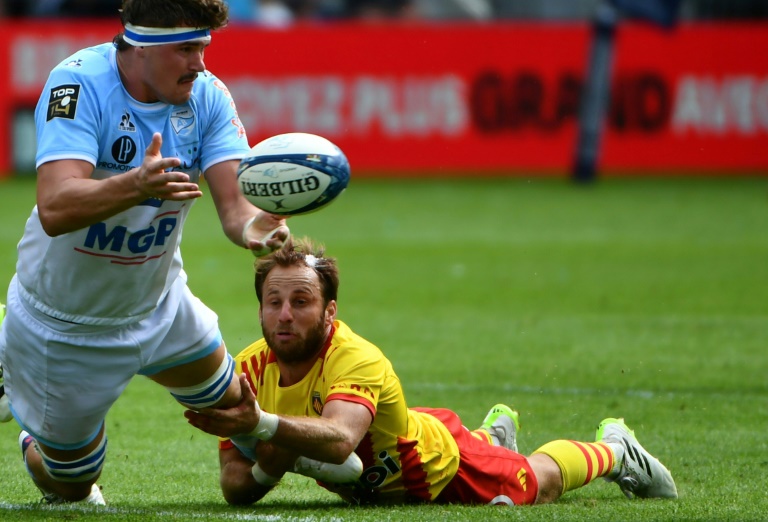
(301, 349)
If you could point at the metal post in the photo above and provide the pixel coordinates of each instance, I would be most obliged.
(596, 94)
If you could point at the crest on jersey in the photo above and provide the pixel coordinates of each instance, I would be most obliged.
(62, 102)
(182, 120)
(317, 403)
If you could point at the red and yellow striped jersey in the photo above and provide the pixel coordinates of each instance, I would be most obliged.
(408, 456)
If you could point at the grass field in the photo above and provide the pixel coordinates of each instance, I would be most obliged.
(638, 298)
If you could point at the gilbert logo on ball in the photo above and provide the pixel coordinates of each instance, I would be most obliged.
(294, 173)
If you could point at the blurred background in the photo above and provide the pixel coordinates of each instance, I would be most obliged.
(283, 11)
(481, 270)
(439, 88)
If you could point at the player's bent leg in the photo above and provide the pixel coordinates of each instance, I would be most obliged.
(65, 475)
(204, 383)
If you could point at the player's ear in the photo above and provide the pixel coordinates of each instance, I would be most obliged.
(330, 312)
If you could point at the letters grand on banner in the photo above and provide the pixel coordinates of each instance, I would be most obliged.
(453, 99)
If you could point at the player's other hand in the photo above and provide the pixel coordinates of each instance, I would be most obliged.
(265, 233)
(156, 178)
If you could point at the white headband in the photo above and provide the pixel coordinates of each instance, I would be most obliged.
(139, 36)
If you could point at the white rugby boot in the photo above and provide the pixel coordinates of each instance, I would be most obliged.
(637, 472)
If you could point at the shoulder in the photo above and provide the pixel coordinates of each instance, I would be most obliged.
(344, 335)
(354, 349)
(89, 70)
(87, 63)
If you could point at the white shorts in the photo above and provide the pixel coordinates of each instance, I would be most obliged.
(62, 378)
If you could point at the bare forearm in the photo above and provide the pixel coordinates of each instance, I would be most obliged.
(330, 438)
(235, 212)
(77, 203)
(68, 198)
(317, 439)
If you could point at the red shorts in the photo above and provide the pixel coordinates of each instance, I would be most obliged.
(487, 474)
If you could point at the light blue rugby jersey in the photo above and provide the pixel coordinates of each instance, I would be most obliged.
(115, 272)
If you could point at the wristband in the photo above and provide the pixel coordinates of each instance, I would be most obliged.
(245, 229)
(262, 478)
(266, 427)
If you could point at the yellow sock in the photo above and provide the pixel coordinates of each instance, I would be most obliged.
(580, 462)
(482, 435)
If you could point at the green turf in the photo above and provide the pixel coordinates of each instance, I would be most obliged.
(642, 298)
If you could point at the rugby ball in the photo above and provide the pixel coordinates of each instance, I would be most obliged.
(292, 174)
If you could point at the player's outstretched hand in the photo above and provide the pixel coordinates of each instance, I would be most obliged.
(155, 177)
(264, 233)
(240, 419)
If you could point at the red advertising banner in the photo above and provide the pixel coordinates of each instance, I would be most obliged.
(459, 99)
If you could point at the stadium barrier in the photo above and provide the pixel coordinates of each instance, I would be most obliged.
(452, 99)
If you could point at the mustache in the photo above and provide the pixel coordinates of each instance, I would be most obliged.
(188, 77)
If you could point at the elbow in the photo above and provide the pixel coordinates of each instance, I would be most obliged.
(52, 231)
(342, 453)
(239, 490)
(49, 223)
(239, 498)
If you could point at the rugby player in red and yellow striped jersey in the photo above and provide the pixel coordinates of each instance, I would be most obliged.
(322, 401)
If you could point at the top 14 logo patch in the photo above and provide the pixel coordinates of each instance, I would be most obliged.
(63, 102)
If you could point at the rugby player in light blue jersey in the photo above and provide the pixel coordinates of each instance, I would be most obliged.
(125, 130)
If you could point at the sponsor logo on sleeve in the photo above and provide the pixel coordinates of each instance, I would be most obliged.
(63, 102)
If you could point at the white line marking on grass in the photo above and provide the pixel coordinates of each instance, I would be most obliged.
(600, 392)
(186, 515)
(646, 394)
